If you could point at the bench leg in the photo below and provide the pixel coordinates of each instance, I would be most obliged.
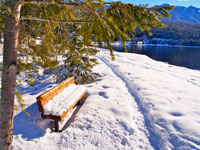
(56, 126)
(80, 102)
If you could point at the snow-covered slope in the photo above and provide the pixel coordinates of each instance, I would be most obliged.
(136, 103)
(169, 98)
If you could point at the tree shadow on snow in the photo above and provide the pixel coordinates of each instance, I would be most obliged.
(32, 126)
(33, 90)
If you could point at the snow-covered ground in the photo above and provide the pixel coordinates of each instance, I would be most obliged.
(136, 103)
(169, 98)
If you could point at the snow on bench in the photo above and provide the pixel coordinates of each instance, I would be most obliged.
(57, 102)
(58, 105)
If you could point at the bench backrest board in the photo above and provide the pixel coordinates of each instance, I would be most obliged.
(47, 96)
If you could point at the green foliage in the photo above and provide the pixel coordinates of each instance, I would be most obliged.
(120, 20)
(78, 60)
(2, 17)
(4, 10)
(41, 42)
(31, 81)
(21, 103)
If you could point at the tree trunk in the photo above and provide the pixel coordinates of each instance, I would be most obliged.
(9, 74)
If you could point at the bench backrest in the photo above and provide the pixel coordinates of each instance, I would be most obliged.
(47, 96)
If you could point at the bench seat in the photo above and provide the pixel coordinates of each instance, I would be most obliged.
(62, 102)
(57, 102)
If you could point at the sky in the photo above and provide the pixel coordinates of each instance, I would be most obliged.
(195, 3)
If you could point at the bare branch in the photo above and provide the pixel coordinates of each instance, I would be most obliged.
(54, 21)
(58, 3)
(48, 2)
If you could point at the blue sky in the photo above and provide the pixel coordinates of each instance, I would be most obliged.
(195, 3)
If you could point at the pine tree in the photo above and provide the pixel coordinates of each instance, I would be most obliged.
(63, 27)
(78, 58)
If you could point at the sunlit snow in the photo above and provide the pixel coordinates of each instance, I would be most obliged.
(136, 103)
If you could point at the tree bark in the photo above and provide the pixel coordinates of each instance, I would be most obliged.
(9, 74)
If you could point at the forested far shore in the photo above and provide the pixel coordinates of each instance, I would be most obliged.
(186, 33)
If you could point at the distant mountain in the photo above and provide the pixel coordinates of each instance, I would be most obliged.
(189, 14)
(183, 28)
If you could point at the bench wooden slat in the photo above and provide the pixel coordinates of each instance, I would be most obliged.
(48, 95)
(61, 86)
(65, 113)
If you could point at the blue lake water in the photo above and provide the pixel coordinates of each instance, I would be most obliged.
(176, 55)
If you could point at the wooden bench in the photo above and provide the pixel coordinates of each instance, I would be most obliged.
(57, 102)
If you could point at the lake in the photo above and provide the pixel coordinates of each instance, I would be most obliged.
(176, 55)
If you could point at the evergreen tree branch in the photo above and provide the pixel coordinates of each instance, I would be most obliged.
(53, 21)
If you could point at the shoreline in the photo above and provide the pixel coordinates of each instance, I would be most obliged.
(156, 45)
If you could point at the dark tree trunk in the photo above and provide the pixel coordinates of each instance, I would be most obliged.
(9, 74)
